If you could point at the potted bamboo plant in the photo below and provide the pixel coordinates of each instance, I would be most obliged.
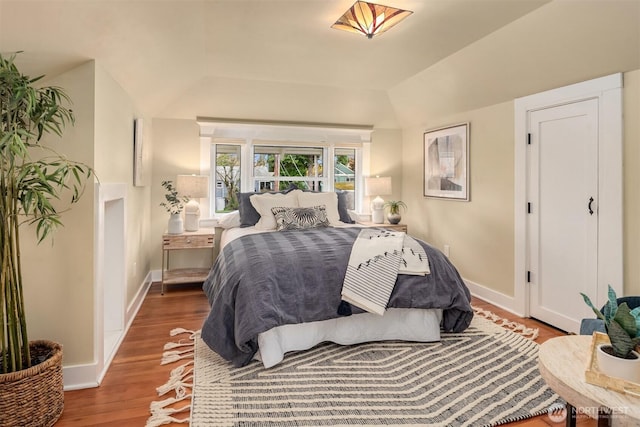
(33, 177)
(623, 329)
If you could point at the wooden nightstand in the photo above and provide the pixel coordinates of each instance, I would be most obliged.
(201, 239)
(394, 227)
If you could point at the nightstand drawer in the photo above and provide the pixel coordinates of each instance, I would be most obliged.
(181, 241)
(394, 227)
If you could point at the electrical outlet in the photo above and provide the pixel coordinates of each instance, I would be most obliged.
(446, 250)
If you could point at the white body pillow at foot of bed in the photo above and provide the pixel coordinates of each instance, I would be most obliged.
(405, 324)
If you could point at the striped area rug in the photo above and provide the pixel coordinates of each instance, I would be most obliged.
(485, 376)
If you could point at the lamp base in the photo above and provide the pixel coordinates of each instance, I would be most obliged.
(192, 216)
(377, 216)
(377, 210)
(191, 222)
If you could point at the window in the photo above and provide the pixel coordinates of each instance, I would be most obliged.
(276, 168)
(344, 175)
(227, 177)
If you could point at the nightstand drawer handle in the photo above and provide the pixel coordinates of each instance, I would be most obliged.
(188, 240)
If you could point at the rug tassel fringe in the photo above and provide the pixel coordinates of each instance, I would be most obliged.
(175, 355)
(172, 345)
(180, 381)
(178, 331)
(531, 333)
(161, 415)
(160, 408)
(177, 380)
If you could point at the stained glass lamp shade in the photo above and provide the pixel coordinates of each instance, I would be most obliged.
(370, 19)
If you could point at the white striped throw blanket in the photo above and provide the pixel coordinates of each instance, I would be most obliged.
(376, 259)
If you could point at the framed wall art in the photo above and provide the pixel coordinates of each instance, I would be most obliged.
(446, 162)
(138, 154)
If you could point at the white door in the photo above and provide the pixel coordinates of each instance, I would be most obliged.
(562, 223)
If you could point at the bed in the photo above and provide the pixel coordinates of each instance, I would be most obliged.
(276, 291)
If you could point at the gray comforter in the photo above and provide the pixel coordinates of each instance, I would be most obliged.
(264, 280)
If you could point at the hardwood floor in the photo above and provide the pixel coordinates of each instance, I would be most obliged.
(128, 388)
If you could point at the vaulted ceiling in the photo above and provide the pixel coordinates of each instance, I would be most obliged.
(259, 59)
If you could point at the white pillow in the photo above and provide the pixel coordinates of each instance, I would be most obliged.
(307, 199)
(230, 220)
(264, 202)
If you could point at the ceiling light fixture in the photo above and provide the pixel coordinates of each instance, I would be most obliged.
(370, 19)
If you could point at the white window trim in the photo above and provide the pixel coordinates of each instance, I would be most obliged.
(250, 133)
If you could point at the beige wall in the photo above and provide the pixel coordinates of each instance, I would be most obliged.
(58, 274)
(114, 117)
(481, 232)
(386, 160)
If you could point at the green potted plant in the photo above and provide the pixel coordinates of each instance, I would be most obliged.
(394, 210)
(174, 204)
(623, 329)
(31, 388)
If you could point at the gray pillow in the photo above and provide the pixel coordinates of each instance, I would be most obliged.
(300, 218)
(342, 207)
(249, 216)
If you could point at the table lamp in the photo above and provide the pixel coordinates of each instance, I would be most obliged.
(377, 186)
(194, 187)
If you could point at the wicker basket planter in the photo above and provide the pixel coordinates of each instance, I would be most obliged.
(34, 396)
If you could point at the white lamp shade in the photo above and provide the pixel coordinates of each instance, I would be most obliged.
(377, 186)
(193, 186)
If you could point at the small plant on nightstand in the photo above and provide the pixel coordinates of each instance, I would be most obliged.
(394, 210)
(174, 205)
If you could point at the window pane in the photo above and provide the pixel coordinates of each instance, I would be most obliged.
(227, 177)
(303, 163)
(345, 173)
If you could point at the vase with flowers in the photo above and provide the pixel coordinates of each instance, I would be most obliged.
(174, 204)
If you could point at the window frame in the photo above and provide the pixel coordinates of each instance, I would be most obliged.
(248, 179)
(248, 132)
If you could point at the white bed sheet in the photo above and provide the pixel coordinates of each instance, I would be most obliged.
(405, 324)
(418, 325)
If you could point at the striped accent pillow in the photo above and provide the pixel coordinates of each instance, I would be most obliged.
(300, 218)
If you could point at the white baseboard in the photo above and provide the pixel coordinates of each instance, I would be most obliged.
(77, 377)
(136, 303)
(156, 275)
(491, 296)
(89, 375)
